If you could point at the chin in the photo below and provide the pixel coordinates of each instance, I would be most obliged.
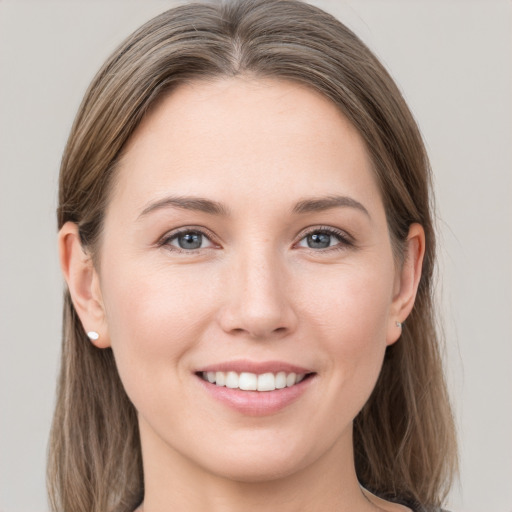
(257, 471)
(258, 463)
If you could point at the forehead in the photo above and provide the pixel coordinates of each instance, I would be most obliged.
(244, 139)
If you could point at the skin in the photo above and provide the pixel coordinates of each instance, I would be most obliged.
(254, 290)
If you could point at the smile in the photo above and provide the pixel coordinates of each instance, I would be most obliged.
(255, 388)
(248, 381)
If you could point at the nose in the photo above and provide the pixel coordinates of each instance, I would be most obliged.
(258, 302)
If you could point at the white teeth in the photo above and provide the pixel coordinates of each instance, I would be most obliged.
(248, 381)
(280, 380)
(266, 382)
(251, 382)
(220, 378)
(232, 380)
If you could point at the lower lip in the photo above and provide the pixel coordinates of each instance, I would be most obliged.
(257, 403)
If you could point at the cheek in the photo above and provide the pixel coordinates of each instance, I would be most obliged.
(354, 300)
(352, 316)
(154, 317)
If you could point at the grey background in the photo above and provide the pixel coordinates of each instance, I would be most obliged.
(453, 60)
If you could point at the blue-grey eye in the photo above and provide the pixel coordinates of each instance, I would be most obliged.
(190, 240)
(187, 240)
(319, 240)
(324, 239)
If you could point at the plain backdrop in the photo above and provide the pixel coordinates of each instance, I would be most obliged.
(453, 61)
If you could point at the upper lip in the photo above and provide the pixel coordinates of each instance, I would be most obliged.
(257, 367)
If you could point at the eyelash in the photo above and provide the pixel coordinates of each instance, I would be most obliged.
(345, 240)
(165, 241)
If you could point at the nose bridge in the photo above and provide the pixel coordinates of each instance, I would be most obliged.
(259, 302)
(259, 273)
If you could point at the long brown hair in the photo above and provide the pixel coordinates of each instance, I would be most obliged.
(404, 439)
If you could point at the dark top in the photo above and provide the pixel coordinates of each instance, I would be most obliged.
(418, 507)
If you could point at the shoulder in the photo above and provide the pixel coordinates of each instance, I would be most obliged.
(387, 506)
(400, 505)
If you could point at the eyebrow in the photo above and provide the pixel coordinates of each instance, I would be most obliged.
(318, 204)
(307, 205)
(199, 204)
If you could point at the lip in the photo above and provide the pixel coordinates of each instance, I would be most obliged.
(240, 366)
(256, 403)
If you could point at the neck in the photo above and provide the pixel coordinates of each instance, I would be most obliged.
(174, 482)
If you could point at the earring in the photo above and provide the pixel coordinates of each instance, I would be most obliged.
(399, 324)
(93, 335)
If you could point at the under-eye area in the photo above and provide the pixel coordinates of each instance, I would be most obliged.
(247, 381)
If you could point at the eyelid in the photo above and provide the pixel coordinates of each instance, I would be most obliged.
(173, 234)
(346, 239)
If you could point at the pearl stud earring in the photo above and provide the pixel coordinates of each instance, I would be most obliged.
(93, 335)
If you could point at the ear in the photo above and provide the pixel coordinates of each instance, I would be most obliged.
(83, 283)
(406, 282)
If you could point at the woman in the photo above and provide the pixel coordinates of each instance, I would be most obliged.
(245, 225)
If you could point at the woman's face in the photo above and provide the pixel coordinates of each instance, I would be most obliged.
(246, 235)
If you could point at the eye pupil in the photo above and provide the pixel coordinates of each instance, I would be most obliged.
(190, 240)
(319, 240)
